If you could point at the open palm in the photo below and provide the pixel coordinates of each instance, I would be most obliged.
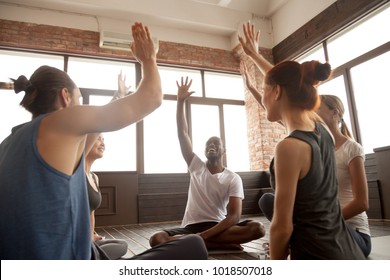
(183, 89)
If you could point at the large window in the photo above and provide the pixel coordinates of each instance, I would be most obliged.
(120, 153)
(216, 108)
(359, 56)
(372, 95)
(359, 38)
(219, 110)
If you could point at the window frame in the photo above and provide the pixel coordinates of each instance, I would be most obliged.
(197, 100)
(344, 69)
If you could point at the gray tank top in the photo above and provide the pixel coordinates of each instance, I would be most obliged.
(319, 231)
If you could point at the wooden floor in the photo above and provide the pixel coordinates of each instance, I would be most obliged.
(137, 237)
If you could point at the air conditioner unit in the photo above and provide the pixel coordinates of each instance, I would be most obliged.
(116, 41)
(119, 41)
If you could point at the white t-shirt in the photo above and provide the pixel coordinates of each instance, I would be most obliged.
(208, 194)
(344, 154)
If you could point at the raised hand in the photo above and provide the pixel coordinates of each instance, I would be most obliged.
(251, 43)
(183, 89)
(123, 90)
(251, 47)
(143, 46)
(257, 94)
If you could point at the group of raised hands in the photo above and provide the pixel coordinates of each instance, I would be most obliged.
(143, 50)
(250, 45)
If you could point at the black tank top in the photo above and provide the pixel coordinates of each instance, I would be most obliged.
(94, 197)
(319, 229)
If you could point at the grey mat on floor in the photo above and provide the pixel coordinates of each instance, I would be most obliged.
(380, 248)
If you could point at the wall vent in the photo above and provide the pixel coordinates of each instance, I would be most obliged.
(119, 41)
(116, 41)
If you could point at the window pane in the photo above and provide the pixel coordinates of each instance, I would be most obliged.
(120, 153)
(316, 53)
(372, 101)
(336, 87)
(100, 74)
(169, 76)
(11, 113)
(360, 38)
(162, 148)
(236, 138)
(205, 124)
(19, 63)
(226, 86)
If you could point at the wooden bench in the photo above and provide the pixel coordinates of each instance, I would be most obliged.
(163, 197)
(375, 210)
(255, 183)
(374, 200)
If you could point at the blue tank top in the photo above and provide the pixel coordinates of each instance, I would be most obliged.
(44, 213)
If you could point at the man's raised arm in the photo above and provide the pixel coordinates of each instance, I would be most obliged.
(182, 127)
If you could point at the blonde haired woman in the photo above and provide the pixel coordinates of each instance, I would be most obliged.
(351, 176)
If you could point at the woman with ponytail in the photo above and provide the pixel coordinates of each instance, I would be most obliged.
(307, 222)
(351, 175)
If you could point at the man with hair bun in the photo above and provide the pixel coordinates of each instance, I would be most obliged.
(43, 202)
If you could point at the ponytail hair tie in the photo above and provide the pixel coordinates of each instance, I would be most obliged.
(22, 84)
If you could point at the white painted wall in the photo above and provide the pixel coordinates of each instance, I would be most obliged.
(294, 14)
(91, 23)
(40, 16)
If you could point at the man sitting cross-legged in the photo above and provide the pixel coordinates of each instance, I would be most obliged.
(215, 194)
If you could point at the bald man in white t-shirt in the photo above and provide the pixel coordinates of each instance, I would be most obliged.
(215, 194)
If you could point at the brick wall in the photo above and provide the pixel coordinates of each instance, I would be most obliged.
(262, 135)
(75, 41)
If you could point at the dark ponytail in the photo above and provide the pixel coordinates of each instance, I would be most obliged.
(41, 91)
(22, 84)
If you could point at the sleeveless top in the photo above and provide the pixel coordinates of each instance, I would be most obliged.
(320, 231)
(94, 197)
(44, 212)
